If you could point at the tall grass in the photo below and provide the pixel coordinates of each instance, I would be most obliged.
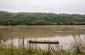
(78, 47)
(78, 44)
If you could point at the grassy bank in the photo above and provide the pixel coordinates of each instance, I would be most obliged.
(77, 48)
(20, 51)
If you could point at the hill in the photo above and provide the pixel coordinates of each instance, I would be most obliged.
(22, 18)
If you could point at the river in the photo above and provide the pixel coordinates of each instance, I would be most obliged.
(62, 33)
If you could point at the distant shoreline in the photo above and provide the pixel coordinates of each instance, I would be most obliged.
(29, 19)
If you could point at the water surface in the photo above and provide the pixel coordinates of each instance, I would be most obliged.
(63, 34)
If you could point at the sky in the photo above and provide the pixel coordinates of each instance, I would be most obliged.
(48, 6)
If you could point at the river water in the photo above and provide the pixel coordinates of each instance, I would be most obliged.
(62, 33)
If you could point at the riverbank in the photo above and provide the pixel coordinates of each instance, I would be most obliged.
(77, 48)
(24, 51)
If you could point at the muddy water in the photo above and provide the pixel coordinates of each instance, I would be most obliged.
(63, 34)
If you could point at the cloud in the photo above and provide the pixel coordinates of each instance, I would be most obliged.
(55, 6)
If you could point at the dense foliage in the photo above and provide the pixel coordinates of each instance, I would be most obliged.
(7, 18)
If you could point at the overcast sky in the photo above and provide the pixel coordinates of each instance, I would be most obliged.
(51, 6)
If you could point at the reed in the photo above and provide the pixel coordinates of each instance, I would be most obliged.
(78, 46)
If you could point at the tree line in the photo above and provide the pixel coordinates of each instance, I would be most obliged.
(22, 18)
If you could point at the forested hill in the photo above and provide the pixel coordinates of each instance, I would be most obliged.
(7, 18)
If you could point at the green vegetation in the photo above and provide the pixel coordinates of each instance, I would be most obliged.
(78, 48)
(20, 51)
(7, 18)
(78, 44)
